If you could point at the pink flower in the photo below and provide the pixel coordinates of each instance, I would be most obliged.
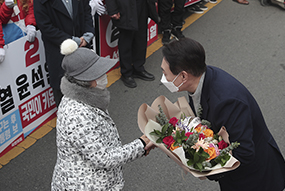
(216, 148)
(168, 140)
(173, 121)
(222, 144)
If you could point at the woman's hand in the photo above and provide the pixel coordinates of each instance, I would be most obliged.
(149, 145)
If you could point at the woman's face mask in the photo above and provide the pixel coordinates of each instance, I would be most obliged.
(170, 85)
(102, 82)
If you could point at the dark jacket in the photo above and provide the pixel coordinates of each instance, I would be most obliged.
(226, 102)
(128, 12)
(56, 25)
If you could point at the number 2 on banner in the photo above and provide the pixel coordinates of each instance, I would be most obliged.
(32, 49)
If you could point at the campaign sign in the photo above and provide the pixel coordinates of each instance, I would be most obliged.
(151, 32)
(109, 36)
(26, 98)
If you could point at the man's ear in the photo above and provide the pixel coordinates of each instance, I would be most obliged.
(185, 76)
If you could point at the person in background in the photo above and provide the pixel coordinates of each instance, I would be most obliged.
(59, 20)
(22, 22)
(90, 154)
(6, 10)
(130, 17)
(224, 101)
(171, 22)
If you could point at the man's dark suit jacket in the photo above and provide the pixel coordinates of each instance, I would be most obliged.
(226, 102)
(56, 25)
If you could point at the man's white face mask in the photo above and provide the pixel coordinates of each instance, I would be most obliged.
(170, 85)
(102, 82)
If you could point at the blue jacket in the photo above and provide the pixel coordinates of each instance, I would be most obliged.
(226, 102)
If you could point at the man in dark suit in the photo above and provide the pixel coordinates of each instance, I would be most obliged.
(130, 17)
(226, 102)
(59, 20)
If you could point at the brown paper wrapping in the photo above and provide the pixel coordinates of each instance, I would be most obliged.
(147, 114)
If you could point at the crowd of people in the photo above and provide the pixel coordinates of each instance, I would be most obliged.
(16, 20)
(90, 154)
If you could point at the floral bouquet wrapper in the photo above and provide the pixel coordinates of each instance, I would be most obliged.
(147, 123)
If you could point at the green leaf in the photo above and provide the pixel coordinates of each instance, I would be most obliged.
(205, 155)
(222, 159)
(157, 132)
(159, 140)
(154, 133)
(200, 166)
(190, 162)
(196, 157)
(164, 129)
(176, 144)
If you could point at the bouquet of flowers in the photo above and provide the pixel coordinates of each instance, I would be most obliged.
(203, 149)
(186, 139)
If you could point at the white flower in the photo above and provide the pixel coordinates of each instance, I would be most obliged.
(215, 141)
(208, 139)
(200, 143)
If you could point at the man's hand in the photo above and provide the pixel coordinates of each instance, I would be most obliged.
(82, 42)
(116, 16)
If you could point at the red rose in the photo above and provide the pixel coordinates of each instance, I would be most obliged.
(201, 136)
(173, 121)
(188, 134)
(222, 144)
(168, 141)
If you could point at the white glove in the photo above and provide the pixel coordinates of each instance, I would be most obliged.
(31, 33)
(9, 3)
(97, 6)
(2, 54)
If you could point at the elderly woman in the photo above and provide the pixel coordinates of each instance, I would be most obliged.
(90, 154)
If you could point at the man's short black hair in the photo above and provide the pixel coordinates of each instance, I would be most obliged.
(185, 55)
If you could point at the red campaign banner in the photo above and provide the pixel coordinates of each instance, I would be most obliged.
(151, 32)
(109, 35)
(36, 107)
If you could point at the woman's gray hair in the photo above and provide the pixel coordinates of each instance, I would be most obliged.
(71, 79)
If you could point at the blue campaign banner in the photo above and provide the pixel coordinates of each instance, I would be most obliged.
(10, 127)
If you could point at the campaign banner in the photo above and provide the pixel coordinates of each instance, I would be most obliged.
(26, 98)
(151, 32)
(109, 36)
